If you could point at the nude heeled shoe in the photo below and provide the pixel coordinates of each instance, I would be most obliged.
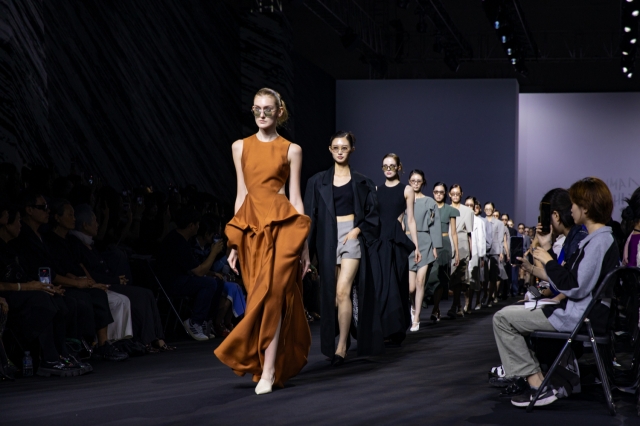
(264, 386)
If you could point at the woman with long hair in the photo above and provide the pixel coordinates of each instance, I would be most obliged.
(268, 236)
(427, 218)
(476, 261)
(343, 208)
(394, 248)
(447, 255)
(459, 270)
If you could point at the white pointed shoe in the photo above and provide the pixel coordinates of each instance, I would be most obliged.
(413, 314)
(415, 326)
(264, 386)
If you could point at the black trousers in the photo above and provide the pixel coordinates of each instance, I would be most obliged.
(145, 317)
(90, 307)
(38, 315)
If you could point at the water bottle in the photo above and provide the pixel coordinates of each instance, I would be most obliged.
(27, 365)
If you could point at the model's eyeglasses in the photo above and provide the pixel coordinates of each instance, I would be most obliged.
(416, 181)
(42, 207)
(268, 111)
(438, 192)
(455, 194)
(340, 149)
(391, 167)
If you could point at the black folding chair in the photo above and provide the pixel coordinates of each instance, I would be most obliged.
(609, 280)
(148, 262)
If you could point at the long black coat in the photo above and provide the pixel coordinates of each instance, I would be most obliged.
(323, 236)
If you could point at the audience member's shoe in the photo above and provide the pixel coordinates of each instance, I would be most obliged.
(501, 382)
(451, 313)
(435, 317)
(518, 387)
(58, 368)
(265, 386)
(71, 361)
(490, 304)
(460, 312)
(194, 330)
(108, 352)
(309, 317)
(5, 373)
(477, 308)
(547, 396)
(415, 326)
(315, 315)
(337, 360)
(221, 331)
(497, 371)
(495, 300)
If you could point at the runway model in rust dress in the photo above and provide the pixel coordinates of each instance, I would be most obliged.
(268, 234)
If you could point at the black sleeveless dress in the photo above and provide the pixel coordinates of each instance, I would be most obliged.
(393, 248)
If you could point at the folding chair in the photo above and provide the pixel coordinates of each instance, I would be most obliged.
(148, 262)
(609, 280)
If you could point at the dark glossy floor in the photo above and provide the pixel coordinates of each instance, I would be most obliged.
(438, 377)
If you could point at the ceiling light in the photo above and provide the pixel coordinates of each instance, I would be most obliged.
(635, 13)
(625, 53)
(627, 29)
(625, 69)
(630, 75)
(513, 61)
(632, 41)
(509, 52)
(496, 25)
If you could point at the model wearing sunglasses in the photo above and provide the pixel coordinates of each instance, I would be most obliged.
(395, 201)
(447, 255)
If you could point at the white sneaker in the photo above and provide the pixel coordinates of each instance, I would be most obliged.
(194, 330)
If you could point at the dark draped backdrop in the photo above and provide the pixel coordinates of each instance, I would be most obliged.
(150, 91)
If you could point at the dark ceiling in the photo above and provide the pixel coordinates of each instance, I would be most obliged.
(577, 42)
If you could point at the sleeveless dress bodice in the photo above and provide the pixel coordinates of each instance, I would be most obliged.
(391, 205)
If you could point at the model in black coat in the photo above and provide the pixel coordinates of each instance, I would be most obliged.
(319, 205)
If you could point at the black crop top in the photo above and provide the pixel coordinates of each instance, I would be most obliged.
(343, 199)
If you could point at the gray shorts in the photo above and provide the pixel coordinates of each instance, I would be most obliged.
(350, 250)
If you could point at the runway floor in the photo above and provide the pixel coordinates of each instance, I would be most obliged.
(438, 377)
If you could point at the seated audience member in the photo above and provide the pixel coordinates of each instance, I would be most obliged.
(631, 216)
(209, 240)
(182, 275)
(576, 279)
(61, 221)
(38, 310)
(569, 235)
(88, 304)
(147, 325)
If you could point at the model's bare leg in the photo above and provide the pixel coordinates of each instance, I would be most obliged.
(268, 369)
(421, 277)
(346, 275)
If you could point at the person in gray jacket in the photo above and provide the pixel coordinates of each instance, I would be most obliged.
(577, 280)
(427, 217)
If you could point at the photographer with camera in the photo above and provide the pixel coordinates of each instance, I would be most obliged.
(575, 277)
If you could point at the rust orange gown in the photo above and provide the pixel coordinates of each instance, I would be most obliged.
(268, 233)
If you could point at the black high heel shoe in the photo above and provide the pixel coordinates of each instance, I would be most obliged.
(337, 360)
(435, 317)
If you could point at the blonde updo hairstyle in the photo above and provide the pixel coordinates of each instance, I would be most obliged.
(265, 91)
